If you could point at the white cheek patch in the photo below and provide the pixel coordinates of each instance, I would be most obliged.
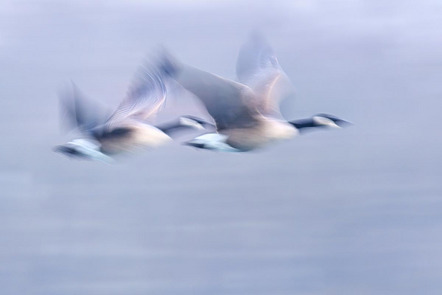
(325, 122)
(215, 137)
(84, 143)
(214, 141)
(89, 150)
(191, 123)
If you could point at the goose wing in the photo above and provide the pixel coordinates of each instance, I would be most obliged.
(229, 103)
(79, 112)
(258, 67)
(144, 98)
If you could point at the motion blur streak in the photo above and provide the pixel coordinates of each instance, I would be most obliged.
(351, 212)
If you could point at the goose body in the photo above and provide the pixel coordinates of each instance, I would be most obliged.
(246, 112)
(136, 136)
(266, 131)
(128, 128)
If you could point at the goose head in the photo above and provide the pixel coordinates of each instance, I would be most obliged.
(326, 120)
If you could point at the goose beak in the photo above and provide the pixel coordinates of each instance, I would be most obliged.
(195, 144)
(64, 149)
(330, 121)
(339, 123)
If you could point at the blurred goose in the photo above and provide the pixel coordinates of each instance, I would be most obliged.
(246, 112)
(126, 129)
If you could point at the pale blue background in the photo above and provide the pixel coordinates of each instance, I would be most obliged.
(354, 211)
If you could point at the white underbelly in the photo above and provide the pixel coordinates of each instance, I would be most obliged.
(142, 136)
(150, 137)
(278, 130)
(266, 132)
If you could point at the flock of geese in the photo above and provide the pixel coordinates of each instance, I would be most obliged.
(245, 112)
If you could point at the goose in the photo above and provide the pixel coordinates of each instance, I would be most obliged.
(246, 112)
(127, 128)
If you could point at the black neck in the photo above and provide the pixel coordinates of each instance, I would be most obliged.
(304, 123)
(170, 128)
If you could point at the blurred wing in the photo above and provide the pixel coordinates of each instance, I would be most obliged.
(228, 102)
(144, 98)
(258, 68)
(80, 113)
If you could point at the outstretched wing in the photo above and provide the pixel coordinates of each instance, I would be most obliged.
(258, 68)
(79, 112)
(229, 103)
(145, 96)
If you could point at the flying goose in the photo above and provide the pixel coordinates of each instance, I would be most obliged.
(246, 113)
(126, 129)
